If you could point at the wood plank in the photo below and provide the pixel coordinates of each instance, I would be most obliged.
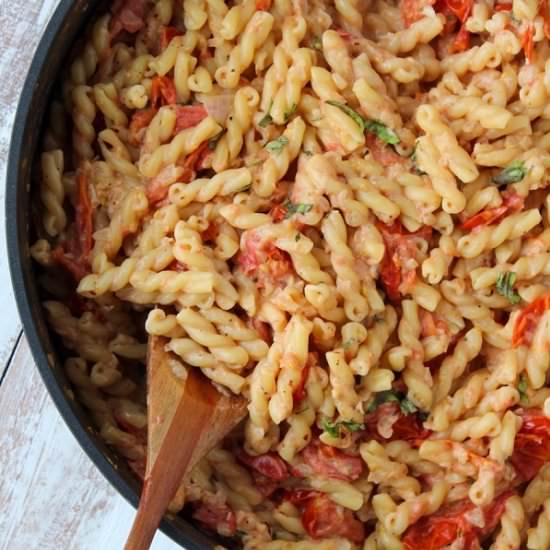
(52, 497)
(22, 22)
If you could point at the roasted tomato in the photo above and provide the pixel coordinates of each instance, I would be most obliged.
(163, 91)
(327, 461)
(270, 465)
(528, 319)
(128, 15)
(395, 269)
(511, 203)
(140, 121)
(300, 390)
(188, 116)
(166, 35)
(388, 423)
(322, 518)
(532, 444)
(451, 523)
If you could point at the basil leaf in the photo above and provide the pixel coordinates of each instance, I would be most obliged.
(291, 111)
(386, 134)
(353, 426)
(277, 145)
(316, 43)
(522, 389)
(407, 406)
(298, 208)
(348, 343)
(266, 120)
(297, 237)
(505, 287)
(354, 115)
(334, 429)
(511, 174)
(382, 397)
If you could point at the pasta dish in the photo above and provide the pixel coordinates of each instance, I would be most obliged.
(337, 210)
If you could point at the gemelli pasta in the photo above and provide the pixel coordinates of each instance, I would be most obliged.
(337, 210)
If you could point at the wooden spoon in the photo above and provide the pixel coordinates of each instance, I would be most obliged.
(187, 417)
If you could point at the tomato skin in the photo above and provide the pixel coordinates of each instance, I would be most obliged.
(407, 427)
(263, 5)
(141, 119)
(532, 444)
(329, 462)
(188, 116)
(462, 41)
(505, 6)
(411, 10)
(217, 516)
(323, 518)
(211, 232)
(450, 522)
(270, 465)
(299, 497)
(300, 390)
(511, 203)
(528, 44)
(163, 91)
(528, 319)
(166, 35)
(278, 212)
(398, 248)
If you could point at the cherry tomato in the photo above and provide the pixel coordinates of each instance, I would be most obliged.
(163, 91)
(511, 203)
(407, 427)
(532, 444)
(140, 120)
(382, 152)
(188, 116)
(270, 465)
(528, 319)
(323, 518)
(166, 35)
(451, 522)
(329, 462)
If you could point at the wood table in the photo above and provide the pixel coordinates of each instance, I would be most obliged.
(51, 495)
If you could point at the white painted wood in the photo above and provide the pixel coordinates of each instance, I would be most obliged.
(51, 495)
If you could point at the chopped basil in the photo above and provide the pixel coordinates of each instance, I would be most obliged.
(297, 237)
(354, 115)
(382, 397)
(316, 43)
(296, 208)
(383, 132)
(213, 142)
(291, 111)
(511, 174)
(416, 169)
(266, 120)
(522, 389)
(334, 429)
(307, 153)
(505, 287)
(386, 134)
(405, 404)
(277, 145)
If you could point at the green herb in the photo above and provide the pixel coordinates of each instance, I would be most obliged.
(291, 111)
(307, 153)
(386, 134)
(382, 397)
(213, 142)
(316, 43)
(240, 533)
(334, 429)
(505, 286)
(296, 208)
(382, 131)
(414, 160)
(298, 237)
(354, 115)
(407, 406)
(266, 120)
(522, 389)
(511, 174)
(277, 145)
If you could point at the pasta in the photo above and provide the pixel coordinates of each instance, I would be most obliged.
(337, 210)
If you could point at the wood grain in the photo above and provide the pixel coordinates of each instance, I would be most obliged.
(52, 497)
